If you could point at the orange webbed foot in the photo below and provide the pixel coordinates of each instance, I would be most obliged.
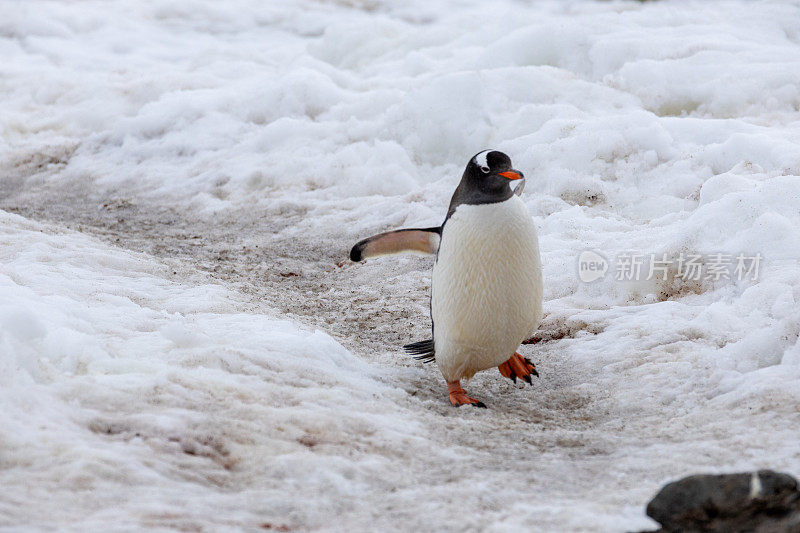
(458, 396)
(518, 367)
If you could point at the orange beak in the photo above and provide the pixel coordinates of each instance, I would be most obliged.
(511, 174)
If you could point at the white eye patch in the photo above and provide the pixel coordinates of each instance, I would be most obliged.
(481, 161)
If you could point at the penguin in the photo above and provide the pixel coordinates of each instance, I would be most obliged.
(486, 286)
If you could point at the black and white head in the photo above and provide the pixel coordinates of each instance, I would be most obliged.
(487, 179)
(491, 170)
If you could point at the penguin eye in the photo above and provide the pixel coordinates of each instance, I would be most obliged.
(485, 170)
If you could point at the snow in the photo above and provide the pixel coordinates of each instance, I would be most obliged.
(179, 349)
(116, 380)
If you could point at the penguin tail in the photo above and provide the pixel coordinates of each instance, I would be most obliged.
(422, 350)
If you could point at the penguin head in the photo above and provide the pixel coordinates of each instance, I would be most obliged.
(486, 180)
(490, 171)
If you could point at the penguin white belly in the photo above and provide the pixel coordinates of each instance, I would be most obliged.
(486, 290)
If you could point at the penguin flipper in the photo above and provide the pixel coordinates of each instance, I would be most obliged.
(423, 350)
(421, 240)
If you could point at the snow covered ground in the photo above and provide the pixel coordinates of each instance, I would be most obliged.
(182, 346)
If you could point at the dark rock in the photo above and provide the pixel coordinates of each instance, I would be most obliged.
(763, 502)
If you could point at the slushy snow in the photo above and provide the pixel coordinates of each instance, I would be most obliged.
(210, 386)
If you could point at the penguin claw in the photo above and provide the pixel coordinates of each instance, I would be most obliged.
(458, 396)
(463, 399)
(518, 366)
(507, 372)
(533, 370)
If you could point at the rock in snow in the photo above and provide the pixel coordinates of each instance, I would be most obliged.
(763, 501)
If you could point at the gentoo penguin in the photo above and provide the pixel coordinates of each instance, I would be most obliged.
(486, 288)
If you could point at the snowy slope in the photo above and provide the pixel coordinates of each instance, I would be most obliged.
(243, 146)
(131, 399)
